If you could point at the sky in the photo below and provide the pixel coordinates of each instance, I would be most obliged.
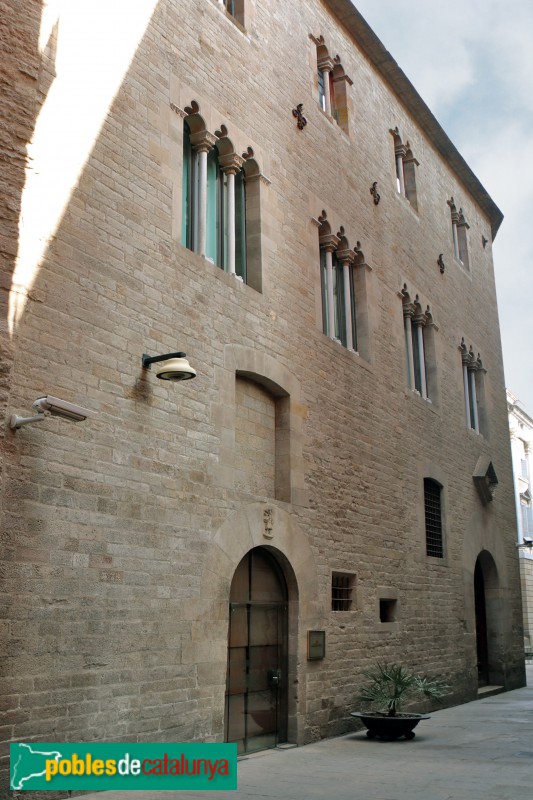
(472, 63)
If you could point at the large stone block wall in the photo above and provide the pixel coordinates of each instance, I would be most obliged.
(121, 534)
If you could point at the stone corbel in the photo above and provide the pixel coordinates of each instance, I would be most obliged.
(325, 63)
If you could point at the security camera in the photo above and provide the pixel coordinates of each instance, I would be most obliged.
(55, 407)
(528, 541)
(49, 406)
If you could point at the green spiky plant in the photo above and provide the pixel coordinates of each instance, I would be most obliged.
(392, 685)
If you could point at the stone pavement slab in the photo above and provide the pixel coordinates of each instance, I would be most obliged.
(478, 751)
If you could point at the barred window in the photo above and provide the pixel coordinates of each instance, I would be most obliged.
(433, 512)
(341, 591)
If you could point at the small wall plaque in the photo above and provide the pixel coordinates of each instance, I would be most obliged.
(316, 645)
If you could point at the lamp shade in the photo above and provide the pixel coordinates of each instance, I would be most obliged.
(175, 369)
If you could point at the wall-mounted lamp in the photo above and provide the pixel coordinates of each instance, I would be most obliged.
(49, 406)
(172, 366)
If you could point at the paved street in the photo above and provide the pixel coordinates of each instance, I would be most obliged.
(479, 751)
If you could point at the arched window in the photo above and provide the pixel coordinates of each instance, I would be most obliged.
(343, 295)
(189, 229)
(474, 389)
(406, 165)
(459, 234)
(332, 82)
(419, 346)
(220, 202)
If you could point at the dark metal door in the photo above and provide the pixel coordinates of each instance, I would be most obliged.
(256, 690)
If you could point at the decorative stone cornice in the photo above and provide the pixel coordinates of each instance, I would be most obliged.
(400, 150)
(325, 63)
(258, 176)
(203, 141)
(346, 256)
(231, 163)
(469, 358)
(178, 110)
(453, 209)
(329, 242)
(461, 219)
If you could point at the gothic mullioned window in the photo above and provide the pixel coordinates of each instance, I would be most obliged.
(419, 346)
(473, 388)
(220, 201)
(343, 289)
(332, 84)
(406, 165)
(459, 233)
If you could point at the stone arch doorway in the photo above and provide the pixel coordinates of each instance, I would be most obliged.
(488, 612)
(256, 700)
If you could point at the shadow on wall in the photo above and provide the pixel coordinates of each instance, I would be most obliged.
(26, 77)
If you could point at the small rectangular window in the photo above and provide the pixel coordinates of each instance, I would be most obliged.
(342, 585)
(433, 515)
(387, 610)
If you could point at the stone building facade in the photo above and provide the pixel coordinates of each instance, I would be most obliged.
(521, 428)
(259, 185)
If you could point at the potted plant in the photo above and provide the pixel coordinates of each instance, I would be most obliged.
(390, 687)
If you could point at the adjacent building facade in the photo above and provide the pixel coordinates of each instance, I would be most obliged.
(521, 427)
(256, 184)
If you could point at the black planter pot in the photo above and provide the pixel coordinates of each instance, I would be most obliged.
(384, 727)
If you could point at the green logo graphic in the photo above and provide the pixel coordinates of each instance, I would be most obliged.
(100, 766)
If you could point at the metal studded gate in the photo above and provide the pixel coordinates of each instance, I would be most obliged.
(256, 687)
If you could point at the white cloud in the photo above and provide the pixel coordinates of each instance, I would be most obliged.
(472, 62)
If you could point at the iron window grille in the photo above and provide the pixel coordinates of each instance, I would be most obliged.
(341, 591)
(433, 513)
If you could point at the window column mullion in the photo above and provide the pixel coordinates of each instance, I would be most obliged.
(346, 258)
(407, 318)
(473, 397)
(202, 142)
(419, 323)
(467, 395)
(325, 65)
(231, 164)
(400, 153)
(328, 243)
